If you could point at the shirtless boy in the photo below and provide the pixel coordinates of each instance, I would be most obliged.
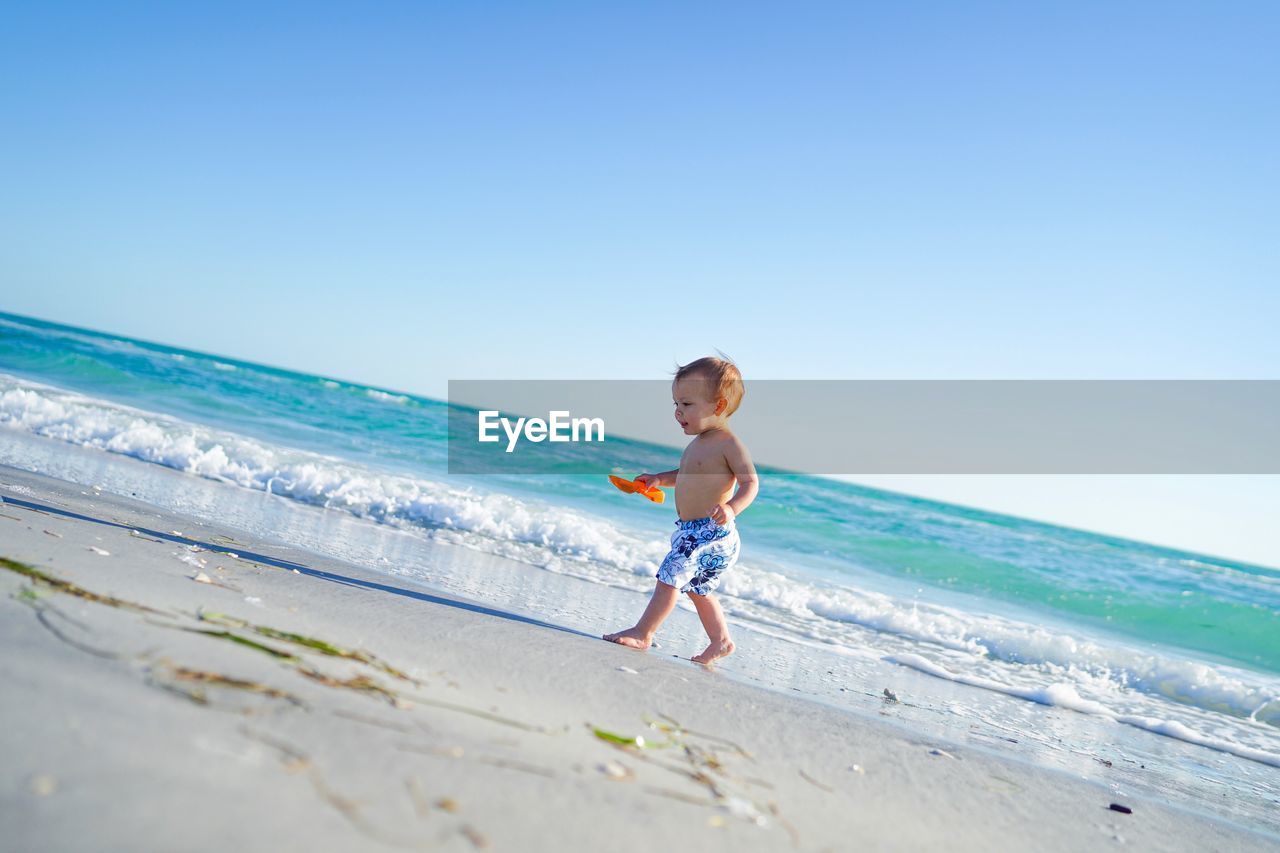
(705, 544)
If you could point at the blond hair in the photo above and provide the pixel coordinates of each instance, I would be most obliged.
(721, 374)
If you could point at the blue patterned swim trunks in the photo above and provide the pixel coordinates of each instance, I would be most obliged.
(701, 551)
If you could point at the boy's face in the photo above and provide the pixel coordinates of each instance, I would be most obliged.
(696, 410)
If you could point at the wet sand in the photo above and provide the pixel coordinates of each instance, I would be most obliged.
(172, 685)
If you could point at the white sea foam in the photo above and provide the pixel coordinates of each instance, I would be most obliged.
(384, 397)
(1064, 695)
(310, 477)
(987, 651)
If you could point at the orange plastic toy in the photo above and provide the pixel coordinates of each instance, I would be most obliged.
(653, 493)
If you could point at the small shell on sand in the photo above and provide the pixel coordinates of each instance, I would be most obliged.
(616, 770)
(744, 809)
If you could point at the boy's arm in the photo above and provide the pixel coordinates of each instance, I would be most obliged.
(666, 478)
(744, 470)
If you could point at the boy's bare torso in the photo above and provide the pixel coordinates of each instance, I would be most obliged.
(704, 480)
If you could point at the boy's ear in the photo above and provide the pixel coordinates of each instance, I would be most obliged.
(721, 405)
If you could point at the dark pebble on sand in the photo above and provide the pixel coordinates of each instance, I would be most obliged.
(1116, 807)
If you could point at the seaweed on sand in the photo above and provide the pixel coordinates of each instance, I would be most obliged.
(217, 679)
(358, 683)
(702, 765)
(244, 641)
(178, 676)
(635, 741)
(670, 726)
(41, 578)
(322, 646)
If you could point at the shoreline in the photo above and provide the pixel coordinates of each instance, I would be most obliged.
(838, 636)
(262, 740)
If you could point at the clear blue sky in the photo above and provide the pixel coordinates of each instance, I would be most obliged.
(414, 192)
(405, 193)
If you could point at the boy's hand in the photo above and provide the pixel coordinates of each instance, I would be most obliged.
(722, 514)
(648, 480)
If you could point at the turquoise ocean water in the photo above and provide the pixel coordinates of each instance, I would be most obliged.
(1161, 645)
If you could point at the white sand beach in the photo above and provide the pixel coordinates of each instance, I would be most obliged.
(171, 685)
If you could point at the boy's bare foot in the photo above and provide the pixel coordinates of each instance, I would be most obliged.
(630, 637)
(718, 649)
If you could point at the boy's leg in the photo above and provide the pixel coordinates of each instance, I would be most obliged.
(660, 607)
(713, 622)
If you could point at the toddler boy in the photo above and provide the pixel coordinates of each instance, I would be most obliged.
(705, 544)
